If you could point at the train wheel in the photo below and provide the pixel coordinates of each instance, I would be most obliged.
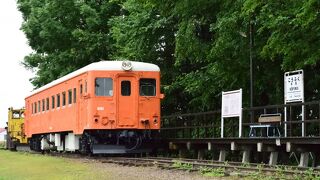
(134, 143)
(85, 145)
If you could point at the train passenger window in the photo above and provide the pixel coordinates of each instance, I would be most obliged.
(74, 95)
(147, 87)
(64, 98)
(103, 87)
(47, 103)
(52, 102)
(69, 96)
(125, 88)
(58, 100)
(39, 107)
(43, 105)
(85, 86)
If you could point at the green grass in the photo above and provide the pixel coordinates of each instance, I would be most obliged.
(18, 165)
(181, 165)
(213, 172)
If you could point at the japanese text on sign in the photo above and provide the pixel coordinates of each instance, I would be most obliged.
(293, 86)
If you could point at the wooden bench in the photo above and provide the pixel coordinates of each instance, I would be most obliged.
(270, 118)
(267, 126)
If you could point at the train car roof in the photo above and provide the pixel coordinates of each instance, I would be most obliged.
(99, 66)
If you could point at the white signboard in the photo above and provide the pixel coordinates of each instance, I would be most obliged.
(294, 92)
(231, 103)
(231, 107)
(293, 86)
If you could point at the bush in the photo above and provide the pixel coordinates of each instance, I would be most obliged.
(2, 144)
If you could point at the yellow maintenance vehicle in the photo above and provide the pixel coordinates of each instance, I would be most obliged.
(15, 130)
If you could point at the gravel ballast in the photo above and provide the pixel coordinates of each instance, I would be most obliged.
(119, 172)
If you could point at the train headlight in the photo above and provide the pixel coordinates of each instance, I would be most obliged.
(126, 65)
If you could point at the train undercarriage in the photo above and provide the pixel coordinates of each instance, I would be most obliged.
(97, 142)
(15, 144)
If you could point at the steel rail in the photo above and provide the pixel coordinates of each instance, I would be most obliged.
(197, 165)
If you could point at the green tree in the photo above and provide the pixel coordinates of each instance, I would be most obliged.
(290, 37)
(202, 47)
(66, 35)
(285, 38)
(146, 33)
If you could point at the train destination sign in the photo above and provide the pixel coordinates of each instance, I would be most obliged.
(293, 86)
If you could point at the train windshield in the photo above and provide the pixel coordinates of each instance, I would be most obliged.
(15, 115)
(147, 87)
(104, 87)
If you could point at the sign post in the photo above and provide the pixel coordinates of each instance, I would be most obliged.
(294, 92)
(231, 107)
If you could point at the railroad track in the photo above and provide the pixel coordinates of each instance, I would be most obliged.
(227, 168)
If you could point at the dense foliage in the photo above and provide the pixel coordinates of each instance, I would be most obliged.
(202, 47)
(66, 35)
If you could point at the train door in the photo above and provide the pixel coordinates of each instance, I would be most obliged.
(149, 103)
(127, 102)
(81, 107)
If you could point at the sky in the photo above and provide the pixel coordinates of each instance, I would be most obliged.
(14, 78)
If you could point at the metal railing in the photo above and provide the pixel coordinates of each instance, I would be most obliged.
(208, 124)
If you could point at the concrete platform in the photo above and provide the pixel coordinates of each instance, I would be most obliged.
(302, 146)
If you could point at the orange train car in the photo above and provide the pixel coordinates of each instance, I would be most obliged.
(105, 107)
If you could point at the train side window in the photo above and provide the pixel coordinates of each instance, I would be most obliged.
(58, 100)
(43, 105)
(64, 98)
(70, 96)
(103, 87)
(47, 104)
(85, 86)
(125, 88)
(81, 89)
(147, 87)
(39, 107)
(74, 95)
(52, 102)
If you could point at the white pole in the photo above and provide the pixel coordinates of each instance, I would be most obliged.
(240, 125)
(303, 123)
(240, 118)
(302, 111)
(285, 121)
(285, 102)
(222, 121)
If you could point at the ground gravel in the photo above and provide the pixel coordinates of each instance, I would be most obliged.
(119, 172)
